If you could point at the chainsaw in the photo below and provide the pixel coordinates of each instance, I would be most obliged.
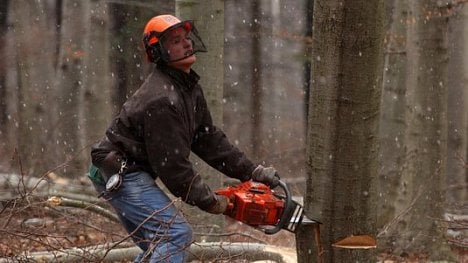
(257, 205)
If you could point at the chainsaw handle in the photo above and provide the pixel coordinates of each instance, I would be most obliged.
(285, 216)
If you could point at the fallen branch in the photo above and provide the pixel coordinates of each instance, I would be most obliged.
(63, 201)
(85, 254)
(247, 251)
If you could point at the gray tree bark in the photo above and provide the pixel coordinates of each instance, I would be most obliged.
(421, 191)
(3, 65)
(128, 65)
(343, 122)
(96, 97)
(31, 119)
(6, 65)
(457, 115)
(256, 72)
(209, 20)
(69, 84)
(392, 121)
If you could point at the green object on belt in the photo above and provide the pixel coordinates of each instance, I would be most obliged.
(95, 175)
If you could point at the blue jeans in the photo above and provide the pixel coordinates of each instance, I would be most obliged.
(151, 218)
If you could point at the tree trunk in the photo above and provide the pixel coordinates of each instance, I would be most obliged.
(128, 58)
(97, 107)
(457, 180)
(209, 20)
(3, 65)
(309, 12)
(392, 121)
(70, 75)
(343, 122)
(31, 118)
(422, 187)
(304, 244)
(256, 73)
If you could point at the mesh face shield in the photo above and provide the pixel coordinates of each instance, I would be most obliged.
(160, 54)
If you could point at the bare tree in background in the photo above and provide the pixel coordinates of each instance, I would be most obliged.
(71, 71)
(209, 20)
(392, 119)
(343, 123)
(256, 72)
(457, 115)
(3, 65)
(309, 12)
(95, 97)
(421, 189)
(128, 64)
(32, 120)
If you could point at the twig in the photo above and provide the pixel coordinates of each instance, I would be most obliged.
(231, 234)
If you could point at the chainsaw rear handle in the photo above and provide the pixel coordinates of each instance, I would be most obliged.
(284, 220)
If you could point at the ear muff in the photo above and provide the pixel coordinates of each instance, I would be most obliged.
(155, 52)
(157, 29)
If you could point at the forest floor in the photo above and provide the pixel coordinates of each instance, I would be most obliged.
(40, 228)
(31, 224)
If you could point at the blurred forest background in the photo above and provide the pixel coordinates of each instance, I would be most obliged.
(364, 112)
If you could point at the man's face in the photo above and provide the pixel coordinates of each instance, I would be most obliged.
(178, 44)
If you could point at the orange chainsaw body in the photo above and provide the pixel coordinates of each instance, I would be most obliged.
(253, 203)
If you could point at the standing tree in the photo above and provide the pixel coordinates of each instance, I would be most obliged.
(423, 178)
(256, 73)
(95, 98)
(309, 12)
(209, 20)
(3, 103)
(31, 118)
(127, 53)
(343, 123)
(392, 123)
(69, 83)
(457, 115)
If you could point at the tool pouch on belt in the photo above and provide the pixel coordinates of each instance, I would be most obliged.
(111, 164)
(95, 176)
(113, 168)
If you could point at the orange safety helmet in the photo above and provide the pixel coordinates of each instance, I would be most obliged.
(155, 31)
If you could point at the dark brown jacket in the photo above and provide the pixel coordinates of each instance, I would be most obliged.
(160, 124)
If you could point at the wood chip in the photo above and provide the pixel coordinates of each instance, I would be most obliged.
(356, 242)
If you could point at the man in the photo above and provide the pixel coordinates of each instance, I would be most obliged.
(153, 135)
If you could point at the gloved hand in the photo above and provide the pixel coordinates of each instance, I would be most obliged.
(266, 175)
(220, 206)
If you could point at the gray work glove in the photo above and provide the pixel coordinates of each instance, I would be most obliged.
(220, 206)
(266, 175)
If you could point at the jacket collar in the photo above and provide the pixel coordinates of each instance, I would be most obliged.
(182, 79)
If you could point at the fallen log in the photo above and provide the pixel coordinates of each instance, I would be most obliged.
(196, 252)
(67, 202)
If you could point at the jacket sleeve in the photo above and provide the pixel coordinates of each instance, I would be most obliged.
(168, 149)
(212, 146)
